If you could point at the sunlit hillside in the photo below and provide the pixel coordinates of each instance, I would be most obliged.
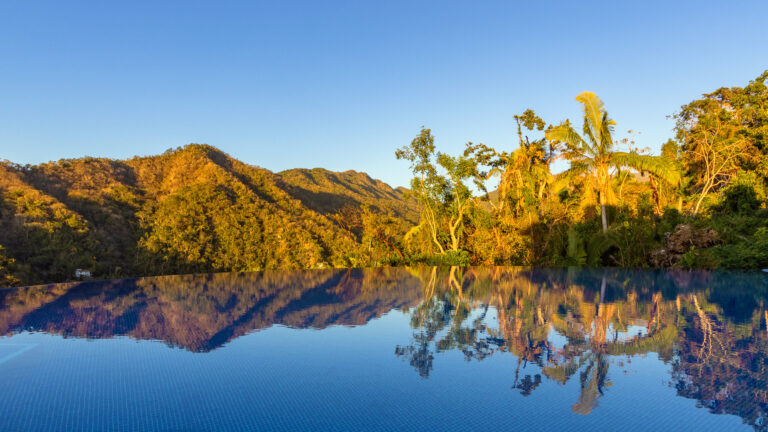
(193, 209)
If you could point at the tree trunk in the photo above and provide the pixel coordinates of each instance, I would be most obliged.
(533, 238)
(656, 197)
(698, 204)
(454, 240)
(391, 246)
(704, 192)
(603, 216)
(433, 229)
(453, 227)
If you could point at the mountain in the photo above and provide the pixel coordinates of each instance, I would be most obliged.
(191, 209)
(327, 192)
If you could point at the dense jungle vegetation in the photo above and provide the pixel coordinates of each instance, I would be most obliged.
(700, 203)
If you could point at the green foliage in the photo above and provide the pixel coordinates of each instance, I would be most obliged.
(697, 259)
(593, 160)
(195, 209)
(587, 246)
(576, 252)
(7, 278)
(740, 198)
(328, 192)
(205, 228)
(634, 240)
(724, 133)
(192, 209)
(751, 253)
(669, 220)
(439, 184)
(458, 258)
(744, 195)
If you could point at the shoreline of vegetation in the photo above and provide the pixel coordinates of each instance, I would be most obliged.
(700, 203)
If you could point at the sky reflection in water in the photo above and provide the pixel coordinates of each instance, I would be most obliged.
(389, 349)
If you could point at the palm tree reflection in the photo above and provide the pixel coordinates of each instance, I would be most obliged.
(561, 325)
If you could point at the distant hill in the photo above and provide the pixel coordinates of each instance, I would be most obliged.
(192, 209)
(327, 192)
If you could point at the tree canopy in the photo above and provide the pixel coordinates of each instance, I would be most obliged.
(701, 202)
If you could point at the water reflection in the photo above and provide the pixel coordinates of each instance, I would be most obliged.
(710, 327)
(202, 312)
(554, 325)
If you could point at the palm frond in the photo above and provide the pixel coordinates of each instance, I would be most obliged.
(559, 183)
(579, 168)
(493, 172)
(597, 245)
(656, 165)
(575, 249)
(606, 133)
(592, 141)
(593, 111)
(565, 133)
(588, 196)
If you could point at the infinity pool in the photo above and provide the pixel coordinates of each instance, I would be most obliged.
(389, 349)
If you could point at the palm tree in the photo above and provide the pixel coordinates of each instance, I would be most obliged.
(592, 157)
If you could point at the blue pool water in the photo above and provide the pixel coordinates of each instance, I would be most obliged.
(388, 349)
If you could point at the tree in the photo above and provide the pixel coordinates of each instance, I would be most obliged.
(592, 157)
(426, 186)
(722, 133)
(6, 277)
(524, 173)
(525, 180)
(445, 198)
(670, 151)
(377, 234)
(459, 200)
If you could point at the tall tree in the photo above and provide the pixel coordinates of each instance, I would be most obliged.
(439, 183)
(525, 180)
(592, 157)
(459, 200)
(722, 133)
(524, 173)
(427, 186)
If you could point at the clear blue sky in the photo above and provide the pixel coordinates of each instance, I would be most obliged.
(341, 85)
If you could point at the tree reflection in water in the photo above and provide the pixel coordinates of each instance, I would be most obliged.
(710, 327)
(559, 325)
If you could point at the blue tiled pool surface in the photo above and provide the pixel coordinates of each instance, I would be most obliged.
(388, 349)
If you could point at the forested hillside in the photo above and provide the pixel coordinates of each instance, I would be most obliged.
(193, 209)
(328, 192)
(701, 202)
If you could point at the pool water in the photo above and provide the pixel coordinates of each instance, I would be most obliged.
(395, 349)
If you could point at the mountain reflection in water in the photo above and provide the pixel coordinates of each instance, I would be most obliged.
(202, 312)
(558, 324)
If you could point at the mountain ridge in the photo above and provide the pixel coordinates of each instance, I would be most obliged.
(190, 209)
(328, 191)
